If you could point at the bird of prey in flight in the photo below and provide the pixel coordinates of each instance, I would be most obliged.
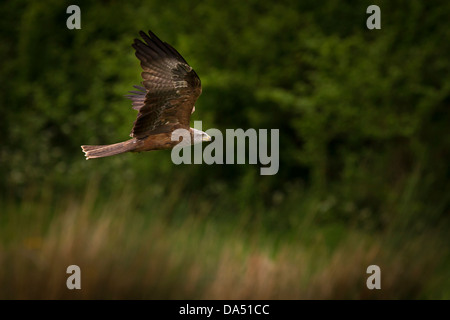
(164, 103)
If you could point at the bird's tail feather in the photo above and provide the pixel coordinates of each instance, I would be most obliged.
(92, 152)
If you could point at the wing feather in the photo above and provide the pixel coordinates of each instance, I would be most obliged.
(170, 88)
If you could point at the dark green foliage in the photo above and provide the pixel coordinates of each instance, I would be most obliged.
(363, 115)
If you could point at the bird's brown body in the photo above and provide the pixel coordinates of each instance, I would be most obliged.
(164, 103)
(157, 142)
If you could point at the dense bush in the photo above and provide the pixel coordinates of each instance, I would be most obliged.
(363, 115)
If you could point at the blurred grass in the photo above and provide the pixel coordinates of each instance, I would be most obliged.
(129, 251)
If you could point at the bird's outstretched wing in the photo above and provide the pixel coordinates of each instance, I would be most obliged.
(170, 88)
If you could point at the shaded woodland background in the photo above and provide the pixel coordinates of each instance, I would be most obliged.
(364, 152)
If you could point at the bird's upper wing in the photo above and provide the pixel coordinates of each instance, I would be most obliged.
(170, 88)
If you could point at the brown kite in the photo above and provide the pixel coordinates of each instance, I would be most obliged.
(164, 103)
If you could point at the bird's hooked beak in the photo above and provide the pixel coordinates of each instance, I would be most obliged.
(206, 138)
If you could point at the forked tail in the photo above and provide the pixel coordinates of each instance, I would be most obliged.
(92, 152)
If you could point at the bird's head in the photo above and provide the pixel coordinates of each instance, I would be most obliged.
(199, 136)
